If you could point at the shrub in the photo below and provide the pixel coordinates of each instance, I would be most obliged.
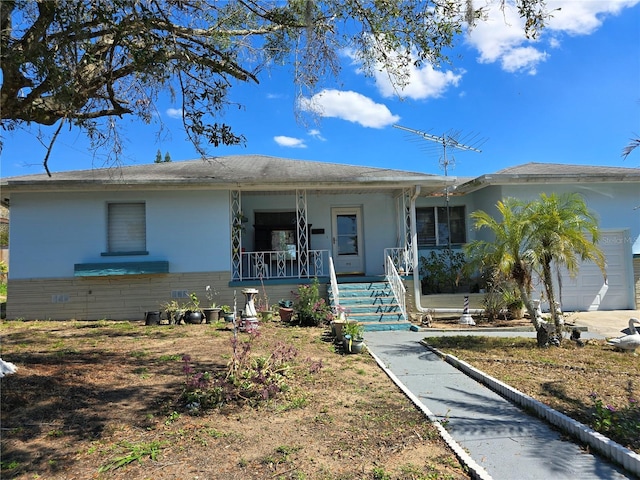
(442, 271)
(310, 308)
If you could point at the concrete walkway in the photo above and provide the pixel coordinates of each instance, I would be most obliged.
(499, 439)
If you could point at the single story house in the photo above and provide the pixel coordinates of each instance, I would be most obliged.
(115, 243)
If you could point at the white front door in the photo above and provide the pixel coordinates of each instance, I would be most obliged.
(348, 253)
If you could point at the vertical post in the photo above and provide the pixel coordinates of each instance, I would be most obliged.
(235, 204)
(303, 233)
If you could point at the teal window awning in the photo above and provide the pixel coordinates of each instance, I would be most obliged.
(120, 268)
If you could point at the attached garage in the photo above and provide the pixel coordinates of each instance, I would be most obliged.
(589, 291)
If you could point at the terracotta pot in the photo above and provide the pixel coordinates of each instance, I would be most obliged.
(286, 314)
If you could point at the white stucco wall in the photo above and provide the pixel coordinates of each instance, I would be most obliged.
(613, 203)
(51, 232)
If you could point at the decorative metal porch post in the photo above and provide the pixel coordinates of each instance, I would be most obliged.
(235, 203)
(404, 230)
(303, 233)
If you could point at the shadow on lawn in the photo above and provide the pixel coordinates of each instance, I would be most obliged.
(70, 394)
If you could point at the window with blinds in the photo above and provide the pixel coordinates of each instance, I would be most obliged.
(126, 228)
(434, 225)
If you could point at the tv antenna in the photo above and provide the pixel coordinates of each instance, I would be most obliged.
(451, 141)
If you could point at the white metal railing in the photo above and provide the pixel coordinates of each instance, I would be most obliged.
(398, 288)
(335, 293)
(402, 259)
(282, 264)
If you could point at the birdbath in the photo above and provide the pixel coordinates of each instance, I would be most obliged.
(249, 315)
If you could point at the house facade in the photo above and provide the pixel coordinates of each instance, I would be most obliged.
(115, 244)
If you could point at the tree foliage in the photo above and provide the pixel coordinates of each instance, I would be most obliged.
(88, 63)
(535, 237)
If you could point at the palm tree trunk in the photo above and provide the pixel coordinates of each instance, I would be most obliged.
(548, 288)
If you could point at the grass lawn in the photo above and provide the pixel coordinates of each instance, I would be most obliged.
(121, 400)
(595, 384)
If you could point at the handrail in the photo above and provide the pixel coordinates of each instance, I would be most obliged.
(335, 293)
(402, 259)
(398, 288)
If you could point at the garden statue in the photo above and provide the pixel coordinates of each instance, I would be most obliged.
(630, 340)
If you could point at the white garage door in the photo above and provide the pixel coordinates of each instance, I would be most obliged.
(588, 291)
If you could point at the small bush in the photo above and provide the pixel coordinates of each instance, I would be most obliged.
(310, 308)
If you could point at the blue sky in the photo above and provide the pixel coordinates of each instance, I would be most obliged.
(572, 96)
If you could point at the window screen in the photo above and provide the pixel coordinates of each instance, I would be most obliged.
(126, 229)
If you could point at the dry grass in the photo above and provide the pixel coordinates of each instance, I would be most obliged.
(104, 400)
(595, 384)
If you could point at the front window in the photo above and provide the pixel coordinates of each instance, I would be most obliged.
(435, 227)
(126, 229)
(275, 231)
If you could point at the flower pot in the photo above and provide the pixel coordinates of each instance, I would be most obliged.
(193, 317)
(266, 315)
(337, 326)
(286, 314)
(152, 318)
(211, 315)
(352, 345)
(228, 317)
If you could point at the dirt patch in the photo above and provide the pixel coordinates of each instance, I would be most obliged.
(104, 400)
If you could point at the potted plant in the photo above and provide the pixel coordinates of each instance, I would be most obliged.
(263, 308)
(337, 325)
(212, 312)
(353, 337)
(193, 314)
(227, 313)
(174, 311)
(285, 309)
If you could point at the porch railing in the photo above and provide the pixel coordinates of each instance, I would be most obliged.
(335, 293)
(402, 259)
(283, 264)
(398, 288)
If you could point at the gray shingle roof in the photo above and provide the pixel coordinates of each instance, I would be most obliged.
(239, 169)
(555, 169)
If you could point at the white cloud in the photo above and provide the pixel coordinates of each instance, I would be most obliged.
(315, 133)
(501, 37)
(583, 18)
(522, 58)
(422, 83)
(290, 142)
(350, 106)
(419, 83)
(174, 112)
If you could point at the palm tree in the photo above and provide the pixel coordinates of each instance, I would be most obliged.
(509, 252)
(532, 237)
(564, 233)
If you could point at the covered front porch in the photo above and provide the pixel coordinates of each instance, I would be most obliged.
(302, 234)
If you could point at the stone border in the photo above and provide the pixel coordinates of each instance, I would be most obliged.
(615, 452)
(475, 470)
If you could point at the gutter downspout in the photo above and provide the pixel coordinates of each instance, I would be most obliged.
(417, 292)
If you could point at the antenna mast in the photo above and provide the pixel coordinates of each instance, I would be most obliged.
(448, 140)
